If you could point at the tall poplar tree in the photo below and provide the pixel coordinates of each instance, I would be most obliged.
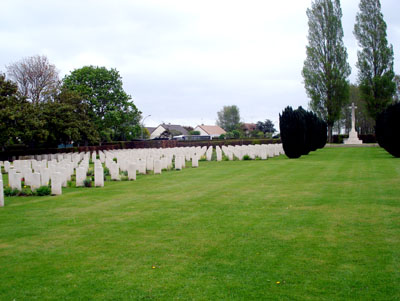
(326, 70)
(375, 59)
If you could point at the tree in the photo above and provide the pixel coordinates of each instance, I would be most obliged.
(326, 70)
(35, 76)
(266, 127)
(67, 120)
(229, 118)
(111, 109)
(375, 59)
(20, 119)
(397, 94)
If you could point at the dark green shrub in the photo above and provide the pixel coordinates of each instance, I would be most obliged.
(236, 134)
(246, 157)
(388, 129)
(292, 127)
(42, 190)
(10, 192)
(106, 171)
(301, 132)
(26, 191)
(87, 182)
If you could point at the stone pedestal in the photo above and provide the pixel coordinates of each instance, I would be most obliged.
(353, 138)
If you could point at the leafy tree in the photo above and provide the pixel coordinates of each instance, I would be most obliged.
(326, 70)
(194, 132)
(20, 119)
(397, 94)
(35, 76)
(114, 115)
(229, 118)
(67, 120)
(266, 127)
(375, 59)
(236, 134)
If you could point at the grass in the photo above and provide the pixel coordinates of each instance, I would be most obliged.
(325, 226)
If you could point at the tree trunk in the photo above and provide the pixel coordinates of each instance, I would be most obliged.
(329, 133)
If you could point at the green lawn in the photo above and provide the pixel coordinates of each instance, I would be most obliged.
(325, 226)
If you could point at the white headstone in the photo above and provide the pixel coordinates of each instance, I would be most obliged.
(45, 176)
(178, 164)
(195, 161)
(219, 153)
(98, 176)
(35, 181)
(1, 192)
(132, 171)
(157, 166)
(80, 176)
(17, 177)
(56, 179)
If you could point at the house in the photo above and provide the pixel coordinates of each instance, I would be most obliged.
(248, 128)
(210, 130)
(168, 131)
(150, 129)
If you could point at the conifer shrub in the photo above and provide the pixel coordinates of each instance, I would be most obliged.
(301, 132)
(388, 129)
(292, 127)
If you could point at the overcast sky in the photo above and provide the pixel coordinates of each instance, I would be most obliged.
(182, 61)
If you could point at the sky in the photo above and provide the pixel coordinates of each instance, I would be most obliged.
(182, 61)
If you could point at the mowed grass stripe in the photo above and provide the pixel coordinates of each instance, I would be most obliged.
(326, 226)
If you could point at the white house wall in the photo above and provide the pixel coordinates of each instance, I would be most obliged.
(202, 132)
(157, 132)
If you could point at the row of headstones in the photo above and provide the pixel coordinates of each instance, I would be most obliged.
(62, 166)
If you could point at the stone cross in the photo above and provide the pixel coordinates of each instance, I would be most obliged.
(353, 117)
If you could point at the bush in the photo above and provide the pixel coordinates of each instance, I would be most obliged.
(106, 171)
(87, 182)
(301, 132)
(10, 192)
(90, 171)
(26, 191)
(124, 178)
(236, 134)
(388, 129)
(42, 191)
(246, 157)
(292, 128)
